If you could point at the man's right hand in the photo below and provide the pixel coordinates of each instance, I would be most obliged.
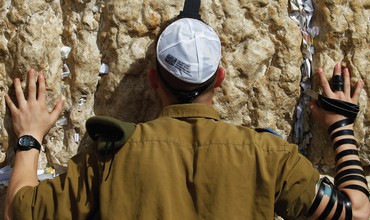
(327, 118)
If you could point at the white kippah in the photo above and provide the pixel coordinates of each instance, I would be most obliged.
(190, 50)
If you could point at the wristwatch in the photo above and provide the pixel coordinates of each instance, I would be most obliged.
(27, 142)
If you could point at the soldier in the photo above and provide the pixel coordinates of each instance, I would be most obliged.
(187, 163)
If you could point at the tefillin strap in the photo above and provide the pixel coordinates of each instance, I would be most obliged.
(347, 109)
(341, 107)
(191, 9)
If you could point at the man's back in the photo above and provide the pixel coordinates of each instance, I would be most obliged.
(188, 165)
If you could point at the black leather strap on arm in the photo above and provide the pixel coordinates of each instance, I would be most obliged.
(352, 177)
(345, 153)
(319, 196)
(344, 141)
(358, 188)
(347, 206)
(339, 210)
(348, 172)
(348, 163)
(335, 197)
(340, 123)
(347, 109)
(341, 133)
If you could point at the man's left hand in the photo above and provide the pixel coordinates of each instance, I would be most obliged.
(31, 116)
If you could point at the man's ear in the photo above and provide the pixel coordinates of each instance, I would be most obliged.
(153, 78)
(221, 73)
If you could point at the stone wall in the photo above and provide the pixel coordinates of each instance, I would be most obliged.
(261, 53)
(344, 36)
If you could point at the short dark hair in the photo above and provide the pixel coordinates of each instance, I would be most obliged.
(183, 91)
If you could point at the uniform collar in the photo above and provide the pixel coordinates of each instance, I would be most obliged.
(190, 111)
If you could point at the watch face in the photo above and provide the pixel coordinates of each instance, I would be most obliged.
(26, 141)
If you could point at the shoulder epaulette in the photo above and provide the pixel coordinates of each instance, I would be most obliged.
(110, 133)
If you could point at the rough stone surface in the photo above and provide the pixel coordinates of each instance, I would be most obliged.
(344, 36)
(261, 53)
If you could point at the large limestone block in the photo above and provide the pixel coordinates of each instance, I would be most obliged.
(344, 36)
(34, 34)
(261, 53)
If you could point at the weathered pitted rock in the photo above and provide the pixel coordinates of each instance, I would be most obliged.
(261, 53)
(344, 36)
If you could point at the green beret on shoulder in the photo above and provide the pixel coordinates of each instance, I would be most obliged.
(109, 132)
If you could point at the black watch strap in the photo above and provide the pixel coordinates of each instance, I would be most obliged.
(27, 142)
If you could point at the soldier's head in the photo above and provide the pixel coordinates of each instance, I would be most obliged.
(188, 56)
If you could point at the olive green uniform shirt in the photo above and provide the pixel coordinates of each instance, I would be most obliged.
(187, 164)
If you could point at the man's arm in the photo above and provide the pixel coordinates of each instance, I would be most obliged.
(348, 197)
(30, 117)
